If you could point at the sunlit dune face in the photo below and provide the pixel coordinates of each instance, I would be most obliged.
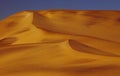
(60, 43)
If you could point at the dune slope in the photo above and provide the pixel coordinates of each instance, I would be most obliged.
(60, 43)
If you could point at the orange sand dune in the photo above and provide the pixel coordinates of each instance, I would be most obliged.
(60, 43)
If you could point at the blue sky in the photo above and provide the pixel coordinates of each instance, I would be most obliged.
(8, 7)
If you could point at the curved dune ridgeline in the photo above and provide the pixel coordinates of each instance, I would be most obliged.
(60, 43)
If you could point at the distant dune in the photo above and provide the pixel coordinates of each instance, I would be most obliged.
(60, 43)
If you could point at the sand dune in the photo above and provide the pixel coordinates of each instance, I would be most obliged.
(60, 43)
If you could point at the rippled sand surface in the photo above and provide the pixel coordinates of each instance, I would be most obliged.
(60, 43)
